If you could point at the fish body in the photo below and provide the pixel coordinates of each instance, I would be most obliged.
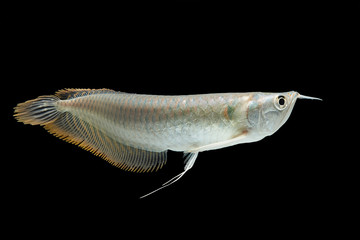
(134, 131)
(160, 123)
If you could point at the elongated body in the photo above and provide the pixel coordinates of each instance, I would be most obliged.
(134, 131)
(159, 123)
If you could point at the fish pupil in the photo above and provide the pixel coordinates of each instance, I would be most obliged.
(281, 100)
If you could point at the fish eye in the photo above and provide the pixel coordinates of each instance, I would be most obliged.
(280, 102)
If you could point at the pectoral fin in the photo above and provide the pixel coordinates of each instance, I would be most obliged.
(230, 142)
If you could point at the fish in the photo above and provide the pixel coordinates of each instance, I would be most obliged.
(135, 131)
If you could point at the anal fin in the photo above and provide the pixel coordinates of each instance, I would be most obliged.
(74, 130)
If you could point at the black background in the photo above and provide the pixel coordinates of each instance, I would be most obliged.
(182, 48)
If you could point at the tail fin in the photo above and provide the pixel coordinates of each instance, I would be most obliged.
(39, 111)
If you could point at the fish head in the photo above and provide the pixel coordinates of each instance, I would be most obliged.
(267, 112)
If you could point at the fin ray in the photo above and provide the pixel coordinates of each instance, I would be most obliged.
(39, 111)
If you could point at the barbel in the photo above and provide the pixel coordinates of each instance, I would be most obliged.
(135, 131)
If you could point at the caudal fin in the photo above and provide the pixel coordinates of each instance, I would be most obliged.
(39, 111)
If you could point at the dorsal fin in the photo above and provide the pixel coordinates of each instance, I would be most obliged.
(69, 93)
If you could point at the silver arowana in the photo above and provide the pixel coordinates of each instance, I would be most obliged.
(134, 131)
